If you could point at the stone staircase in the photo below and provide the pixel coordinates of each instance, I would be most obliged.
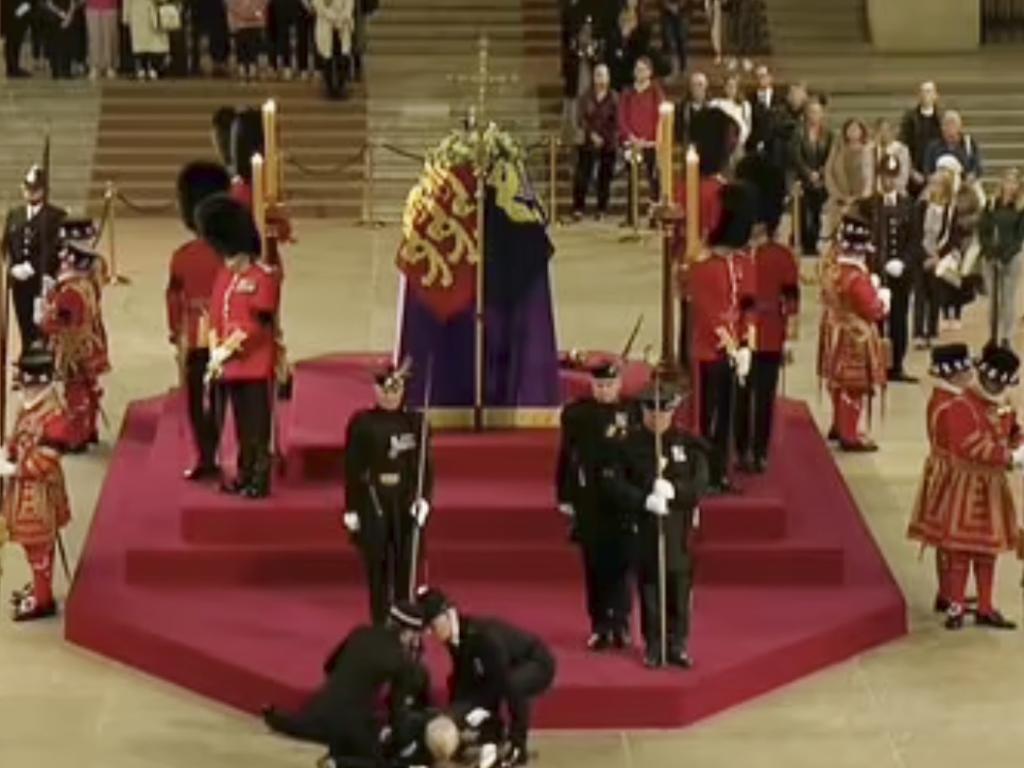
(69, 112)
(799, 27)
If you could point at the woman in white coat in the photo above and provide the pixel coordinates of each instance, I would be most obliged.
(333, 31)
(150, 44)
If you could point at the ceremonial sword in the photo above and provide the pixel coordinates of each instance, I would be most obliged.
(421, 475)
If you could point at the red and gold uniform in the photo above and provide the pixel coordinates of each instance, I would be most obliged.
(952, 364)
(243, 348)
(979, 519)
(828, 276)
(854, 366)
(36, 506)
(776, 303)
(73, 320)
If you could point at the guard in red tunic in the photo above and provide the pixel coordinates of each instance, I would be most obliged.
(978, 513)
(72, 318)
(35, 506)
(855, 368)
(953, 369)
(194, 268)
(243, 308)
(721, 291)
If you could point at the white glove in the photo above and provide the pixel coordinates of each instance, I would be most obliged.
(218, 356)
(351, 521)
(420, 511)
(743, 358)
(894, 268)
(8, 468)
(657, 505)
(476, 717)
(488, 756)
(885, 296)
(696, 518)
(48, 284)
(37, 310)
(664, 488)
(876, 281)
(22, 271)
(567, 510)
(1017, 458)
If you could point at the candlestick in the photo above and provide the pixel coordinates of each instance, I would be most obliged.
(692, 203)
(259, 193)
(666, 137)
(273, 158)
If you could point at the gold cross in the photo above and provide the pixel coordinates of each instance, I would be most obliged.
(483, 80)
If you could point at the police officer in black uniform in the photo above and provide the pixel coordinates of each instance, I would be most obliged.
(891, 215)
(384, 508)
(30, 246)
(369, 662)
(672, 496)
(493, 664)
(591, 429)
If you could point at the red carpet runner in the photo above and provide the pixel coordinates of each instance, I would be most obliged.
(240, 601)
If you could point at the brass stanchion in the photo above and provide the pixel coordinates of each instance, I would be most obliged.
(634, 235)
(553, 144)
(369, 217)
(796, 219)
(110, 200)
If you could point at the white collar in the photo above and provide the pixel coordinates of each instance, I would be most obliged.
(891, 198)
(456, 634)
(999, 399)
(33, 209)
(946, 386)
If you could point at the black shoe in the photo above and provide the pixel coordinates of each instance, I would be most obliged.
(677, 657)
(954, 619)
(621, 639)
(860, 446)
(255, 491)
(17, 74)
(760, 465)
(941, 604)
(599, 641)
(202, 471)
(722, 487)
(29, 610)
(833, 435)
(234, 487)
(652, 658)
(517, 755)
(993, 620)
(745, 465)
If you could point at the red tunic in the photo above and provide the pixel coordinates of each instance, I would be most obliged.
(721, 290)
(247, 301)
(778, 294)
(926, 520)
(977, 511)
(73, 320)
(194, 268)
(855, 361)
(36, 504)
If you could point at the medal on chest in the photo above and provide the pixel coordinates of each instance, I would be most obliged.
(400, 444)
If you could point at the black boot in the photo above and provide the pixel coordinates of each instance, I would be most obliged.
(993, 620)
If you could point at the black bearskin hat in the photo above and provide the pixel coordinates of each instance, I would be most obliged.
(769, 183)
(716, 134)
(432, 602)
(196, 182)
(737, 222)
(246, 141)
(227, 225)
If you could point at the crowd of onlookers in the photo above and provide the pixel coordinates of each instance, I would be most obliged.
(147, 39)
(968, 243)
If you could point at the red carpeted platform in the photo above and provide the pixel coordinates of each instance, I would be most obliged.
(240, 601)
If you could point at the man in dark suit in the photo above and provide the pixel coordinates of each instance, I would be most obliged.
(15, 17)
(30, 244)
(890, 214)
(493, 664)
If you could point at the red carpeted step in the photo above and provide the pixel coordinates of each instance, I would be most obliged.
(336, 562)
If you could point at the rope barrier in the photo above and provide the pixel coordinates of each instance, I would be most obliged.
(403, 152)
(146, 210)
(104, 218)
(329, 170)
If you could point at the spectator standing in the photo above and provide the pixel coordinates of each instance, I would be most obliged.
(742, 27)
(787, 118)
(763, 105)
(953, 141)
(691, 110)
(101, 20)
(333, 32)
(598, 124)
(362, 10)
(737, 107)
(630, 41)
(848, 173)
(886, 144)
(61, 46)
(293, 16)
(247, 22)
(935, 216)
(208, 19)
(811, 148)
(15, 17)
(1001, 233)
(638, 125)
(149, 44)
(921, 125)
(675, 25)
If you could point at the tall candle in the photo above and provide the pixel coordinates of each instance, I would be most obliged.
(666, 136)
(259, 192)
(692, 203)
(273, 157)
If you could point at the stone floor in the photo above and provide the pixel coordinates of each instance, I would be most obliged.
(931, 700)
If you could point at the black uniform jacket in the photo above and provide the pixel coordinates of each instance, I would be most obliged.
(685, 466)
